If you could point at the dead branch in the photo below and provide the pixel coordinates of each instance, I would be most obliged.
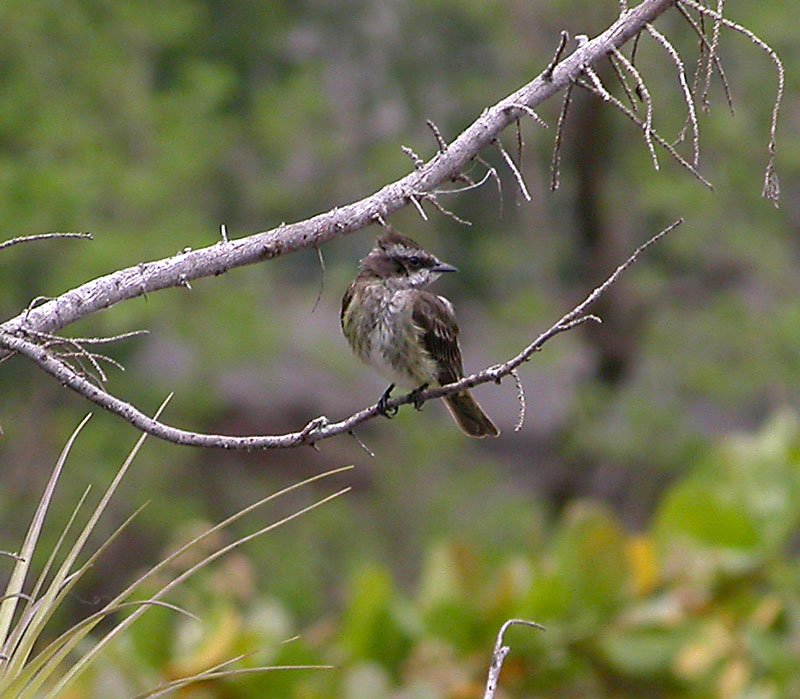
(499, 655)
(654, 134)
(27, 332)
(687, 94)
(321, 427)
(555, 167)
(185, 267)
(644, 93)
(771, 189)
(42, 236)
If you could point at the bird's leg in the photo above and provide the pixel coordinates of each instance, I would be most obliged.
(382, 409)
(418, 402)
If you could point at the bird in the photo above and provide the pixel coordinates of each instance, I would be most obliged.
(406, 333)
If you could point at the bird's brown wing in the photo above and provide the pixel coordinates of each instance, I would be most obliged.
(346, 299)
(435, 318)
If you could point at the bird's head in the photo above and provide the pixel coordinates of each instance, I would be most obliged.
(402, 263)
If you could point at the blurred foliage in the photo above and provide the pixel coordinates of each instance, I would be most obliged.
(701, 603)
(149, 124)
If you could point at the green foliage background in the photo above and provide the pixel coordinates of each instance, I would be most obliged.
(631, 515)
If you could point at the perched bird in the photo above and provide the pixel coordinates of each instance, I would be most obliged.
(407, 334)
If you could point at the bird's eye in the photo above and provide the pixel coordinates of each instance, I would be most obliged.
(414, 261)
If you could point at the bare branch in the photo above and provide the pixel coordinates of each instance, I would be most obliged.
(712, 57)
(370, 453)
(598, 85)
(433, 200)
(42, 236)
(491, 172)
(440, 142)
(520, 398)
(687, 94)
(712, 52)
(321, 278)
(285, 239)
(622, 81)
(419, 163)
(555, 167)
(562, 44)
(89, 340)
(642, 90)
(513, 167)
(656, 137)
(533, 115)
(321, 427)
(500, 653)
(418, 207)
(772, 189)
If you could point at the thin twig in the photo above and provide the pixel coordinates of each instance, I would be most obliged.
(321, 427)
(433, 200)
(419, 163)
(622, 81)
(635, 47)
(644, 93)
(43, 236)
(527, 110)
(521, 399)
(513, 167)
(418, 207)
(562, 44)
(491, 171)
(555, 168)
(713, 56)
(656, 137)
(771, 189)
(598, 84)
(321, 278)
(86, 340)
(500, 653)
(361, 444)
(223, 232)
(441, 143)
(687, 94)
(712, 51)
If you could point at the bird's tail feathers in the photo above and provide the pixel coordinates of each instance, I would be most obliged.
(469, 416)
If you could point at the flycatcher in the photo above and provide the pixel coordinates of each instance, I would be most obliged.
(407, 334)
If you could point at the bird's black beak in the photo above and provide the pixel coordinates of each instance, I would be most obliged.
(441, 267)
